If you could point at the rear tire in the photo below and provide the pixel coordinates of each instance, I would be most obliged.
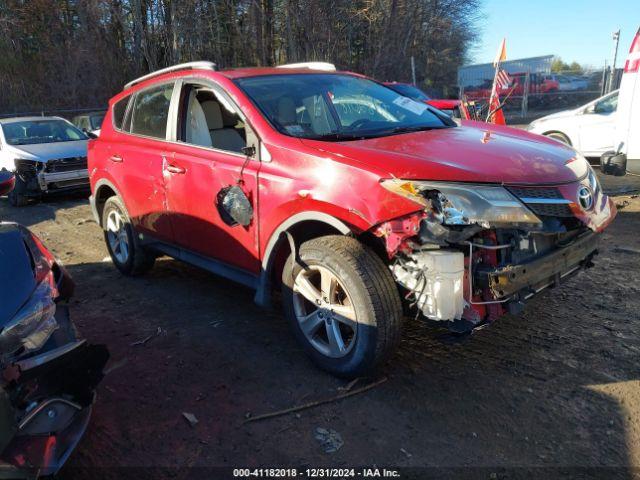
(346, 288)
(126, 253)
(17, 197)
(561, 137)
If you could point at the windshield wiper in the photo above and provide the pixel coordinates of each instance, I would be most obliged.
(410, 129)
(341, 136)
(338, 136)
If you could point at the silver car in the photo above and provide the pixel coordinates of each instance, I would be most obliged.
(47, 154)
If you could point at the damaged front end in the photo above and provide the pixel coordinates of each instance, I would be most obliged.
(58, 175)
(477, 251)
(48, 374)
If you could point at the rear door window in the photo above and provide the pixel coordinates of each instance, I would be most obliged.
(151, 112)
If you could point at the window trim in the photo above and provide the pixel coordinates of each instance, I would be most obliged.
(172, 122)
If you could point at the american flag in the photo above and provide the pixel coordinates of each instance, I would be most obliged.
(503, 80)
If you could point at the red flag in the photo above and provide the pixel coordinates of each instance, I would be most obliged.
(495, 110)
(501, 80)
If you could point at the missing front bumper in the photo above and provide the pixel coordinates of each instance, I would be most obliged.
(521, 281)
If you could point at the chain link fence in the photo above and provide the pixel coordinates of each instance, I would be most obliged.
(535, 90)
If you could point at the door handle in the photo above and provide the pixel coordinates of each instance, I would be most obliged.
(116, 158)
(174, 169)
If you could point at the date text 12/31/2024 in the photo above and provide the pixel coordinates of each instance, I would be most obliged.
(315, 473)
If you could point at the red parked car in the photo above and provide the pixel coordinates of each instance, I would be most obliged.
(356, 203)
(538, 84)
(449, 106)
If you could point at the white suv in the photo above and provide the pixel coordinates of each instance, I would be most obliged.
(47, 154)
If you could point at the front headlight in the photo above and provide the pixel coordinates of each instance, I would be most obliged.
(34, 323)
(593, 180)
(466, 204)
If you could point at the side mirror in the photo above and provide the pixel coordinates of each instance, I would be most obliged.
(590, 109)
(89, 133)
(7, 182)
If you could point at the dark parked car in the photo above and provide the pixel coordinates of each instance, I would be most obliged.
(48, 373)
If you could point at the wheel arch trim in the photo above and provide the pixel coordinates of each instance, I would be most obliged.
(550, 132)
(103, 182)
(263, 296)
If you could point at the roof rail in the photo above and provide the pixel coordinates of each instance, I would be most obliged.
(329, 67)
(202, 65)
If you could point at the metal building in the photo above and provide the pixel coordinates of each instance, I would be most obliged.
(476, 75)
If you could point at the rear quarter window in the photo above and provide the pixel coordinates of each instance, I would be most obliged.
(119, 110)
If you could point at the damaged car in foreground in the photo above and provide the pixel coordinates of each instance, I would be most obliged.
(349, 203)
(48, 373)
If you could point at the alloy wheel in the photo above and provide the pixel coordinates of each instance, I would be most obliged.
(117, 236)
(324, 311)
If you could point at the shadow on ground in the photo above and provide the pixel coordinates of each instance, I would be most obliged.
(532, 391)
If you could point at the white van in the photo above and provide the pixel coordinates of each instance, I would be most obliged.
(627, 128)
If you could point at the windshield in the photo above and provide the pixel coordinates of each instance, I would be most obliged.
(409, 91)
(337, 107)
(30, 132)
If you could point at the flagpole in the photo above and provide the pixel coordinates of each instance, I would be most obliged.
(494, 91)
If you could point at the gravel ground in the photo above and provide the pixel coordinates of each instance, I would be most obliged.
(557, 386)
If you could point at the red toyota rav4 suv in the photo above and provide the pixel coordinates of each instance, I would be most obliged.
(358, 204)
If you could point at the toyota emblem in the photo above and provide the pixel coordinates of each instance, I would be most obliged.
(585, 198)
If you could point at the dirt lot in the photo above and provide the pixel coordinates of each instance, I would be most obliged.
(558, 386)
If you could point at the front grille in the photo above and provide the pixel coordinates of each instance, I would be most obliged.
(66, 164)
(551, 209)
(536, 192)
(540, 201)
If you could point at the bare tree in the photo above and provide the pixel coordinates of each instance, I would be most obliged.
(78, 53)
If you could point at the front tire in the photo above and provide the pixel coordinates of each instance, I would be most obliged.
(342, 304)
(126, 254)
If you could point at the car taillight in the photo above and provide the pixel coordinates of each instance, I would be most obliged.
(632, 65)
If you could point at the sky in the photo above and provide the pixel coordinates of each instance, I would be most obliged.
(575, 30)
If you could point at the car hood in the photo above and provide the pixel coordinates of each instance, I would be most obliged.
(474, 152)
(17, 281)
(43, 152)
